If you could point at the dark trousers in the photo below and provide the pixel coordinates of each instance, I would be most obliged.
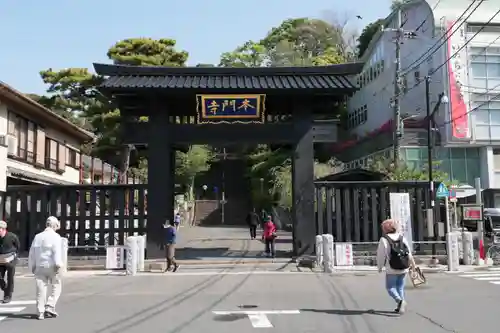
(270, 247)
(170, 254)
(253, 231)
(7, 273)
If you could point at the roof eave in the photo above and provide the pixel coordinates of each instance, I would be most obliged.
(123, 70)
(19, 97)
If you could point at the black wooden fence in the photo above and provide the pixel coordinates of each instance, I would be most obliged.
(353, 211)
(92, 216)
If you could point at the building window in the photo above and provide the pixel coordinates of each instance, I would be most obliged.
(24, 131)
(71, 158)
(358, 117)
(51, 154)
(461, 164)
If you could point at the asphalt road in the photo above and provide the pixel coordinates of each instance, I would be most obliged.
(201, 301)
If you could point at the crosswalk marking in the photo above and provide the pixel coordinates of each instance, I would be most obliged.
(492, 275)
(13, 307)
(18, 303)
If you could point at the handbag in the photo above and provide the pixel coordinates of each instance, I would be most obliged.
(7, 258)
(417, 277)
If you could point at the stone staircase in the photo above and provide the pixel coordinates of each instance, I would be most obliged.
(206, 212)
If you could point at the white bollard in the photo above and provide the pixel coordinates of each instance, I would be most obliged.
(328, 260)
(64, 254)
(467, 248)
(453, 251)
(141, 251)
(319, 250)
(131, 248)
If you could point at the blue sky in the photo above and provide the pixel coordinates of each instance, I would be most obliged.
(57, 34)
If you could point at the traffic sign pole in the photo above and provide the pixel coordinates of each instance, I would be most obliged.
(480, 223)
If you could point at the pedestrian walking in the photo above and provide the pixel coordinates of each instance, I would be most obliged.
(253, 222)
(269, 237)
(170, 241)
(9, 249)
(45, 262)
(394, 254)
(177, 220)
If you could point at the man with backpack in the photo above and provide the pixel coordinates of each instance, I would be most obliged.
(394, 254)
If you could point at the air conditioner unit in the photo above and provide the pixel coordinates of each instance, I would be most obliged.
(11, 145)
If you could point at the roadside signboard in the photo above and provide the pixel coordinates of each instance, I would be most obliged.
(472, 212)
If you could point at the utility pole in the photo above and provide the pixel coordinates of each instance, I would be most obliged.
(401, 35)
(397, 91)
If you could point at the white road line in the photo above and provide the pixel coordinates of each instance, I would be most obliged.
(495, 282)
(225, 313)
(480, 275)
(18, 303)
(259, 320)
(2, 318)
(491, 278)
(4, 310)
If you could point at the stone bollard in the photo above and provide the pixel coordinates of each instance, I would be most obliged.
(319, 250)
(453, 251)
(131, 249)
(467, 248)
(328, 250)
(141, 252)
(64, 254)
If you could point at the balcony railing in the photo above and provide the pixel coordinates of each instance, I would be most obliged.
(25, 155)
(51, 164)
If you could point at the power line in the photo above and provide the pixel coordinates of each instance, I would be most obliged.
(458, 51)
(445, 34)
(474, 109)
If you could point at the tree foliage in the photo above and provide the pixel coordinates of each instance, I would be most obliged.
(405, 172)
(367, 35)
(396, 4)
(188, 165)
(73, 91)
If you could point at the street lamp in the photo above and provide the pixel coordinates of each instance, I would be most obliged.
(442, 99)
(261, 186)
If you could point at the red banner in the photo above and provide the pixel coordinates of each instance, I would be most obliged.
(459, 116)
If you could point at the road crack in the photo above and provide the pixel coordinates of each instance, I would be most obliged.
(432, 321)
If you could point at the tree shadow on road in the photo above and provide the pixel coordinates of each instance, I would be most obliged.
(346, 312)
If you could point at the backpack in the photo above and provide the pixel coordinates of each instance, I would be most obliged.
(399, 254)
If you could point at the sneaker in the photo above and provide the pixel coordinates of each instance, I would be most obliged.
(402, 307)
(6, 300)
(41, 316)
(50, 313)
(176, 266)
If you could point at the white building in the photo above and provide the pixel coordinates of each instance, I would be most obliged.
(469, 129)
(36, 145)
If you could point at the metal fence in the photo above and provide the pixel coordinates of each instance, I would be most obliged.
(353, 211)
(92, 216)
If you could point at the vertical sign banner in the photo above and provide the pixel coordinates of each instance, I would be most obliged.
(459, 117)
(230, 109)
(343, 254)
(400, 211)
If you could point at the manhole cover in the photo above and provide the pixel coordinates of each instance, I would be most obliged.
(248, 306)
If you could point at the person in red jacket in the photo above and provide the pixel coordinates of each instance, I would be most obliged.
(269, 237)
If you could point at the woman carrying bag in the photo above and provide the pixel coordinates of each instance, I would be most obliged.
(269, 236)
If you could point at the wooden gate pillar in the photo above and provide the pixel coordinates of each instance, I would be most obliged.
(160, 180)
(304, 230)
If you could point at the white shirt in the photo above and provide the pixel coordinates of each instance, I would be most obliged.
(46, 250)
(383, 252)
